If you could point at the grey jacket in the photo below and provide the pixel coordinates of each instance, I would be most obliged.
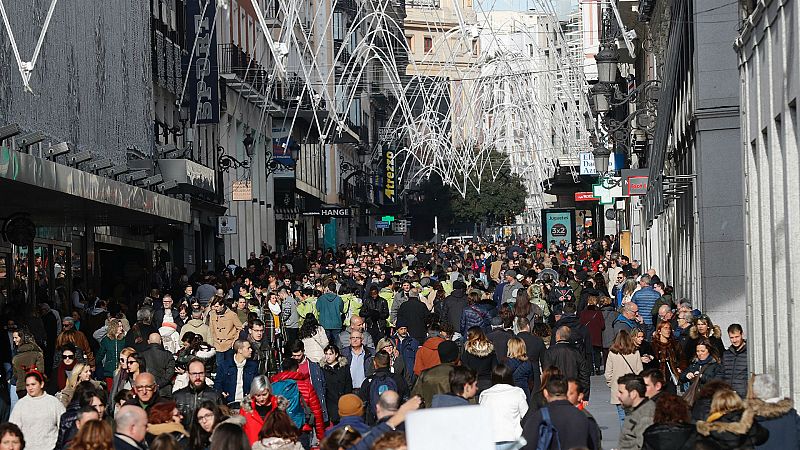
(289, 314)
(636, 421)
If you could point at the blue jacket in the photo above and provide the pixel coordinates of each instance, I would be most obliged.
(330, 307)
(523, 374)
(645, 298)
(497, 295)
(347, 352)
(474, 316)
(225, 381)
(408, 351)
(357, 423)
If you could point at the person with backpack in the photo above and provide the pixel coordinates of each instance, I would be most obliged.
(380, 381)
(559, 424)
(463, 387)
(304, 406)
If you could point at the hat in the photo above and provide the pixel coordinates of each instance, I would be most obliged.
(401, 323)
(458, 284)
(510, 273)
(497, 321)
(350, 405)
(448, 352)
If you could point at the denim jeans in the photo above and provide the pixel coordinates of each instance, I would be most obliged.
(333, 336)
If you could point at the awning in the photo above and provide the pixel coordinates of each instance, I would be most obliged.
(55, 194)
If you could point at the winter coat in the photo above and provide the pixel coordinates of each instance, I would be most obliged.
(523, 374)
(609, 315)
(481, 358)
(315, 345)
(414, 314)
(735, 364)
(407, 347)
(66, 425)
(197, 326)
(29, 356)
(636, 421)
(253, 422)
(427, 355)
(474, 316)
(309, 396)
(108, 356)
(176, 430)
(435, 380)
(507, 406)
(578, 334)
(645, 298)
(571, 362)
(225, 381)
(400, 298)
(782, 422)
(337, 383)
(499, 338)
(375, 313)
(534, 347)
(347, 353)
(275, 443)
(188, 399)
(594, 321)
(617, 366)
(138, 334)
(736, 430)
(224, 328)
(453, 308)
(330, 307)
(668, 356)
(380, 376)
(669, 436)
(161, 364)
(712, 371)
(158, 317)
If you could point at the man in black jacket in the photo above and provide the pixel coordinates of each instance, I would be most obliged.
(455, 304)
(579, 334)
(414, 314)
(131, 428)
(575, 430)
(196, 393)
(381, 364)
(167, 306)
(734, 360)
(375, 311)
(160, 363)
(569, 360)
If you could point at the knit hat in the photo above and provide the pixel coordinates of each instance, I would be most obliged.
(458, 284)
(448, 351)
(350, 405)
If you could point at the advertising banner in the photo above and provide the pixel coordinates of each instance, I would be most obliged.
(202, 87)
(559, 224)
(390, 175)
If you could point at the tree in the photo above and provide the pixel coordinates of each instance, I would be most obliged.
(499, 200)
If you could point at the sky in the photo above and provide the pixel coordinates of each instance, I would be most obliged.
(562, 7)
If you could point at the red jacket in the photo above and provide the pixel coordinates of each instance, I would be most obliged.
(427, 355)
(309, 396)
(253, 421)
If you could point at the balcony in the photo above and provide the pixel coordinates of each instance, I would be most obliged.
(247, 77)
(423, 4)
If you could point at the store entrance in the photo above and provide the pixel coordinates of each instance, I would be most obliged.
(123, 274)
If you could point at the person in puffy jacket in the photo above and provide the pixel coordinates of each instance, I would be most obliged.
(474, 315)
(672, 425)
(521, 368)
(256, 406)
(308, 394)
(731, 425)
(705, 365)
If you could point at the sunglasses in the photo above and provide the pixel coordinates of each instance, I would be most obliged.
(68, 356)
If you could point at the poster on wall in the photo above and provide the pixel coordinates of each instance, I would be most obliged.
(559, 224)
(202, 85)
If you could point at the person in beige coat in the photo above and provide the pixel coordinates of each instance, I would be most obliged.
(623, 358)
(225, 327)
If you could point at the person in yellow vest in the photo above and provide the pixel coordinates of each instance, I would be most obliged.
(307, 304)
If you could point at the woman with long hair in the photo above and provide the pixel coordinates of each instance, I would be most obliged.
(625, 294)
(77, 339)
(479, 355)
(80, 372)
(278, 433)
(29, 356)
(729, 425)
(668, 355)
(705, 364)
(165, 418)
(672, 424)
(644, 347)
(93, 435)
(110, 348)
(520, 367)
(314, 338)
(38, 413)
(507, 404)
(702, 329)
(207, 416)
(623, 358)
(68, 356)
(338, 381)
(524, 308)
(122, 378)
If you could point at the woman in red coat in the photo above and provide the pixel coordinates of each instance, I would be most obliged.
(257, 406)
(290, 373)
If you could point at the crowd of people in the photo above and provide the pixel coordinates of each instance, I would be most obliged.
(334, 349)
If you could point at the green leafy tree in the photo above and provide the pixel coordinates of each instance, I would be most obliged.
(499, 200)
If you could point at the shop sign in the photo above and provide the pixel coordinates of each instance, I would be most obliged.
(328, 211)
(390, 174)
(559, 224)
(382, 225)
(587, 164)
(585, 197)
(202, 87)
(242, 190)
(226, 225)
(635, 182)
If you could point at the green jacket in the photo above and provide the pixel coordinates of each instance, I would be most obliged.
(108, 354)
(435, 380)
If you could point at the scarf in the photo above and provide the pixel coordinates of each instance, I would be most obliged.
(275, 309)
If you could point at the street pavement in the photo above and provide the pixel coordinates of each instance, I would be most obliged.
(604, 412)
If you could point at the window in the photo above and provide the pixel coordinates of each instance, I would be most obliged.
(428, 44)
(410, 43)
(474, 46)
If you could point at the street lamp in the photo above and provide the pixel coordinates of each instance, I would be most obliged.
(600, 93)
(601, 156)
(607, 59)
(248, 145)
(273, 165)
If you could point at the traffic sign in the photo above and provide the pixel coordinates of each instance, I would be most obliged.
(387, 219)
(382, 224)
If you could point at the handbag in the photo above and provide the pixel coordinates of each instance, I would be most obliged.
(691, 394)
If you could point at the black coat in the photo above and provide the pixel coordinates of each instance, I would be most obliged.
(375, 311)
(669, 436)
(161, 364)
(158, 317)
(571, 362)
(66, 425)
(188, 399)
(137, 336)
(414, 314)
(454, 305)
(575, 430)
(578, 333)
(119, 444)
(499, 338)
(337, 383)
(535, 349)
(735, 364)
(733, 432)
(482, 365)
